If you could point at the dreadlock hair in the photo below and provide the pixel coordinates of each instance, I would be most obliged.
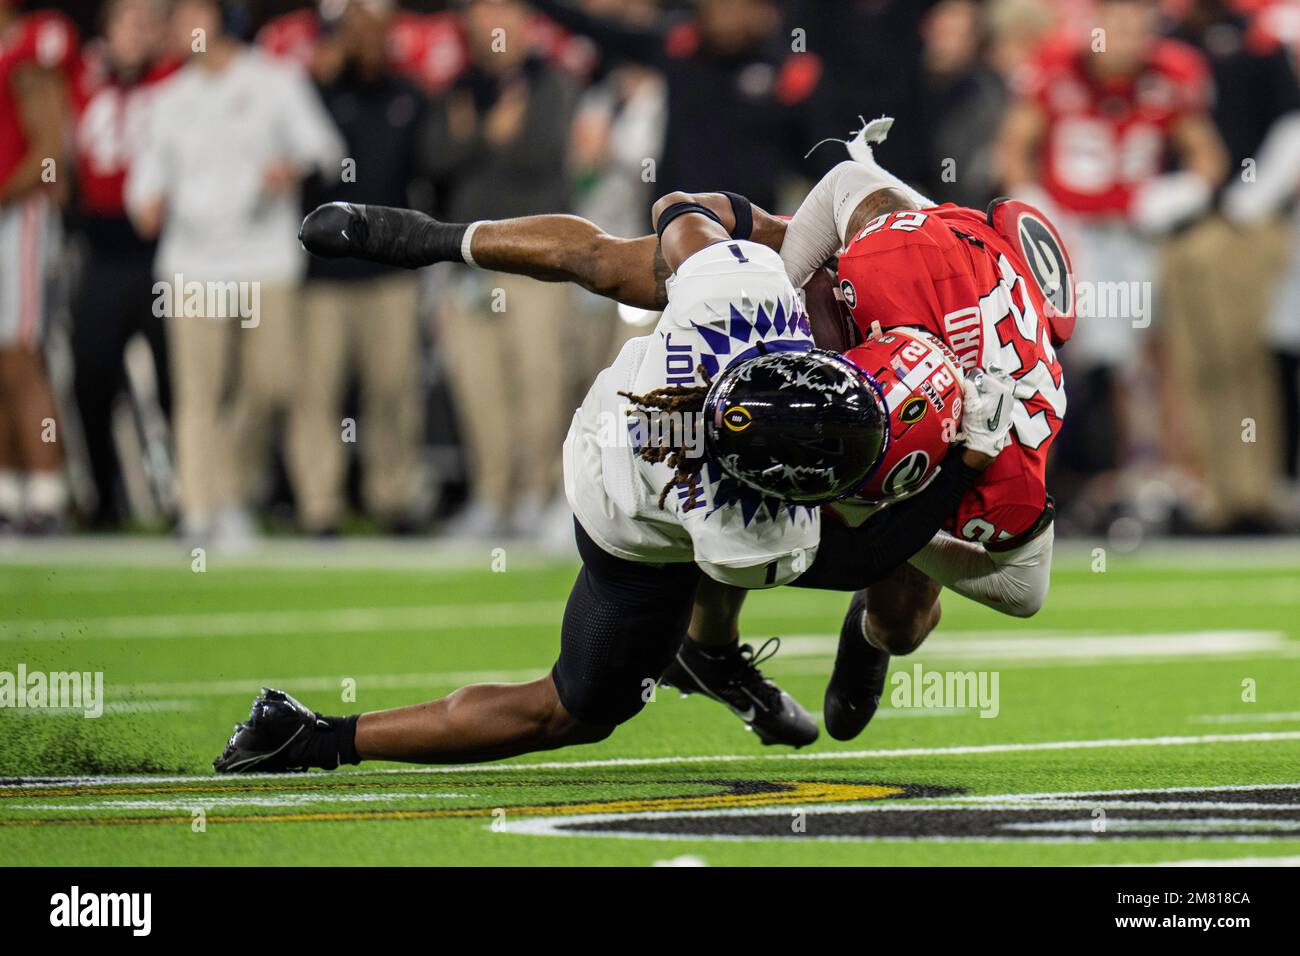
(689, 400)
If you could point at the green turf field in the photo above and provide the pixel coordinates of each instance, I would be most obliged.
(1175, 672)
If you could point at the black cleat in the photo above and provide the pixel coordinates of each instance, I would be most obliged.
(858, 679)
(273, 739)
(733, 679)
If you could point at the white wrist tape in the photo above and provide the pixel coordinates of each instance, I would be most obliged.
(466, 240)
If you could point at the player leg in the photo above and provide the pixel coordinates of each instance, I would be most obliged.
(891, 617)
(711, 661)
(621, 625)
(552, 248)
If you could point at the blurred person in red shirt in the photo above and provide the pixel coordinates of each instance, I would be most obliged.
(35, 53)
(113, 81)
(1090, 141)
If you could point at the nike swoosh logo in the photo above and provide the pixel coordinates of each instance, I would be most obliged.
(745, 715)
(997, 414)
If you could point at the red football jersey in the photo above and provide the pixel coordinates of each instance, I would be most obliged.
(1105, 139)
(110, 122)
(948, 271)
(43, 39)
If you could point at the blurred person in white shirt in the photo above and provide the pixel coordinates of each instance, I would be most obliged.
(231, 138)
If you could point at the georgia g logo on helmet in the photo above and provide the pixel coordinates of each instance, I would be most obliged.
(922, 385)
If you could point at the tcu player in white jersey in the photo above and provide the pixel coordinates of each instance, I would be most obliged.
(694, 467)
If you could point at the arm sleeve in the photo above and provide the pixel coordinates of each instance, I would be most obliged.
(849, 559)
(641, 44)
(1014, 582)
(816, 232)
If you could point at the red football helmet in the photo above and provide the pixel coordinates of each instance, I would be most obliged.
(922, 386)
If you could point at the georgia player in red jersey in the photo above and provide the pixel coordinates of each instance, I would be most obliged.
(996, 288)
(35, 51)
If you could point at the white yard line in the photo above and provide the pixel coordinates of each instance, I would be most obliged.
(805, 654)
(347, 620)
(1108, 594)
(1049, 645)
(112, 707)
(887, 754)
(209, 802)
(379, 554)
(1266, 717)
(1232, 861)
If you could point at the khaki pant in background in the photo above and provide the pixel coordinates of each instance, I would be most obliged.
(231, 383)
(1218, 282)
(509, 377)
(370, 326)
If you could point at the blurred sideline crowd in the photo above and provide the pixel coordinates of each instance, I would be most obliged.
(170, 357)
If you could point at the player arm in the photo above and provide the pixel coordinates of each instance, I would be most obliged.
(697, 220)
(849, 559)
(42, 112)
(843, 201)
(1014, 582)
(685, 227)
(550, 248)
(561, 248)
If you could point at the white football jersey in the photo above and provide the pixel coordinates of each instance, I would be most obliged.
(729, 301)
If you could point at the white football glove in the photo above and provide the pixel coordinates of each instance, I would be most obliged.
(988, 400)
